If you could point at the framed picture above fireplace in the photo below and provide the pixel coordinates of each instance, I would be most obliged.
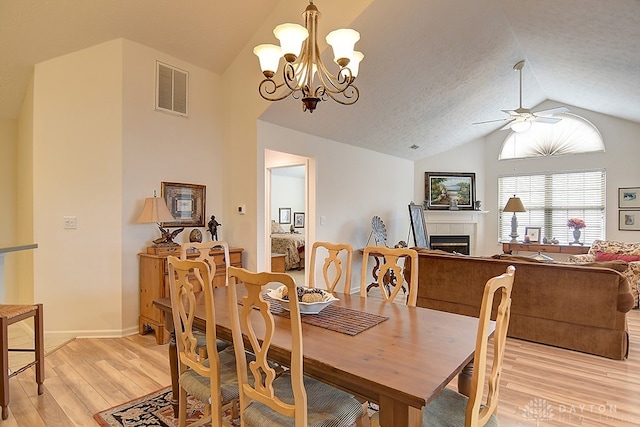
(450, 190)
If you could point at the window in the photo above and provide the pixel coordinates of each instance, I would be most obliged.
(573, 134)
(551, 199)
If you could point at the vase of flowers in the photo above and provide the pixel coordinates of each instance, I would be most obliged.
(577, 224)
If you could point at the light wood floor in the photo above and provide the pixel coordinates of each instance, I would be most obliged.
(541, 385)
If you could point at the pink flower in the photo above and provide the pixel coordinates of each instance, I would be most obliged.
(576, 223)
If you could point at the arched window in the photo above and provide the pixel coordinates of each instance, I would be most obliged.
(573, 134)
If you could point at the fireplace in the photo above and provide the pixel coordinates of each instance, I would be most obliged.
(450, 243)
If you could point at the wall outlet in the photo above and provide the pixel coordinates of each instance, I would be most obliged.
(70, 222)
(242, 209)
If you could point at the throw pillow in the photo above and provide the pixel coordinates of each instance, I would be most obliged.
(276, 228)
(604, 256)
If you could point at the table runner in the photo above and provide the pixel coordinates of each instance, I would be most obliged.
(334, 318)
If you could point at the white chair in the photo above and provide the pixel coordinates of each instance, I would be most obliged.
(291, 398)
(332, 265)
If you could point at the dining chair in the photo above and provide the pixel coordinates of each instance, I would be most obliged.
(453, 408)
(290, 398)
(332, 265)
(390, 276)
(9, 315)
(211, 380)
(204, 254)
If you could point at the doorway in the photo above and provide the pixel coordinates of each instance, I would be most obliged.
(289, 213)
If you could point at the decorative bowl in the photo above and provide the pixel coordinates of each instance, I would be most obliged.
(305, 307)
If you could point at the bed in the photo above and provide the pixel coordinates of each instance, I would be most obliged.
(288, 244)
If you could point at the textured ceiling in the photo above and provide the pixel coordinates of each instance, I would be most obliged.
(431, 67)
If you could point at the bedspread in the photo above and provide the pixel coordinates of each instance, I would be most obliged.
(287, 244)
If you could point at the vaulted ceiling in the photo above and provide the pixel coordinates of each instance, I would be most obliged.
(431, 67)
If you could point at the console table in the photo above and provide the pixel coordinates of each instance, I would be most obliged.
(508, 247)
(154, 283)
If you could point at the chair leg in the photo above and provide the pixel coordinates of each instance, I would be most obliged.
(4, 367)
(38, 330)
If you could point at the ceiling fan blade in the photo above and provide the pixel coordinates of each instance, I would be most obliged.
(510, 112)
(550, 120)
(489, 121)
(552, 111)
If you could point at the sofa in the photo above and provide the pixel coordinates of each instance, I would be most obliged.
(577, 307)
(607, 250)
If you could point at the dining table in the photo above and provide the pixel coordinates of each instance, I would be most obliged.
(397, 356)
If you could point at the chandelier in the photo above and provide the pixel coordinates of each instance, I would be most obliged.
(304, 74)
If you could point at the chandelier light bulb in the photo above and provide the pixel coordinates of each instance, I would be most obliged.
(269, 56)
(291, 37)
(343, 41)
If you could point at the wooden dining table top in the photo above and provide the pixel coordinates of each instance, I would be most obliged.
(401, 363)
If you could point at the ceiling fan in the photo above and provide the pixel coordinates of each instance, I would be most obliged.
(520, 119)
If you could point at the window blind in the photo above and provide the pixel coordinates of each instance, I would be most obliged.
(551, 199)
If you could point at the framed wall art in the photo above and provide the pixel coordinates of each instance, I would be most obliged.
(533, 233)
(186, 202)
(445, 190)
(298, 219)
(629, 197)
(629, 220)
(284, 215)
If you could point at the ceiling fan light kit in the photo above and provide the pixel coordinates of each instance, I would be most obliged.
(521, 119)
(304, 74)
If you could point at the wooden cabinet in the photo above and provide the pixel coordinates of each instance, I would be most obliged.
(154, 283)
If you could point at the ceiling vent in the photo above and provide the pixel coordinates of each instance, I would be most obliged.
(172, 86)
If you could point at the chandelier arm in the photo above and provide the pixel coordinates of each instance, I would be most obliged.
(351, 94)
(268, 88)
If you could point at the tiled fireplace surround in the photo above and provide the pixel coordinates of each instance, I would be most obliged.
(446, 222)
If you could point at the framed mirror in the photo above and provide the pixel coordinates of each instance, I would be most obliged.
(418, 226)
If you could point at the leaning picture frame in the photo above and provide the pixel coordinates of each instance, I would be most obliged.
(629, 197)
(533, 233)
(629, 220)
(186, 202)
(450, 190)
(284, 215)
(418, 226)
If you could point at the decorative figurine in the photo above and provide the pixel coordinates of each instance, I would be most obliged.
(477, 204)
(167, 237)
(213, 227)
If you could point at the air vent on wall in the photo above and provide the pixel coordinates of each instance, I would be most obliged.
(171, 89)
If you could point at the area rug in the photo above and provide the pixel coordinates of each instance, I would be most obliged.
(151, 410)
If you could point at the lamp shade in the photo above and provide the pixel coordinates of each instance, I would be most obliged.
(291, 37)
(155, 210)
(269, 56)
(521, 125)
(342, 41)
(514, 204)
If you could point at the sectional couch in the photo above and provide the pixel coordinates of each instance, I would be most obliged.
(578, 307)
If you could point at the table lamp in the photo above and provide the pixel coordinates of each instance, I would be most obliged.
(514, 204)
(155, 210)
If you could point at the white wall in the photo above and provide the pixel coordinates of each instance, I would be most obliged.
(287, 192)
(349, 188)
(619, 160)
(159, 147)
(99, 150)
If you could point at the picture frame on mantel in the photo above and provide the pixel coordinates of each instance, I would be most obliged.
(186, 202)
(444, 190)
